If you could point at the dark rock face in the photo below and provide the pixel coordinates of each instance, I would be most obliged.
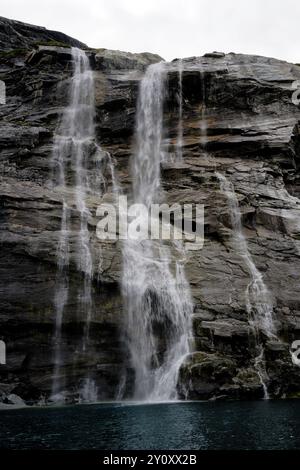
(15, 34)
(252, 137)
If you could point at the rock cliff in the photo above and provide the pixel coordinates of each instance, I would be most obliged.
(244, 103)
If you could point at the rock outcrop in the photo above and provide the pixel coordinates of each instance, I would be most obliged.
(15, 35)
(252, 129)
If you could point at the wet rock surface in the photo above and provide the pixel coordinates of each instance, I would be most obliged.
(252, 130)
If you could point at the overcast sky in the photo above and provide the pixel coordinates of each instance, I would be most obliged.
(171, 28)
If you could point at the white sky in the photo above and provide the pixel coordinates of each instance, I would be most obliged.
(171, 28)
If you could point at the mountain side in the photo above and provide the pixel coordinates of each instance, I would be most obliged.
(238, 120)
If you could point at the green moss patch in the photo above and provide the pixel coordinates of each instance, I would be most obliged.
(52, 42)
(13, 53)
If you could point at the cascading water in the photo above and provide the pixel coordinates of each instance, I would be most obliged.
(203, 122)
(179, 141)
(74, 144)
(156, 293)
(60, 300)
(258, 299)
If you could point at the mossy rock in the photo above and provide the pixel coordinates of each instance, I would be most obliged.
(294, 395)
(21, 123)
(208, 364)
(247, 377)
(53, 43)
(13, 53)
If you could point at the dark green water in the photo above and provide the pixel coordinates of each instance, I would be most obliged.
(191, 425)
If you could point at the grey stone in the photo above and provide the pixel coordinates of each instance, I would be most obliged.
(13, 399)
(16, 34)
(253, 138)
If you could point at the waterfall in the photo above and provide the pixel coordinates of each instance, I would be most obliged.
(179, 141)
(156, 293)
(60, 300)
(203, 122)
(149, 131)
(260, 367)
(258, 299)
(74, 145)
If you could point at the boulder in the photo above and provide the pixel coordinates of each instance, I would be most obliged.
(13, 399)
